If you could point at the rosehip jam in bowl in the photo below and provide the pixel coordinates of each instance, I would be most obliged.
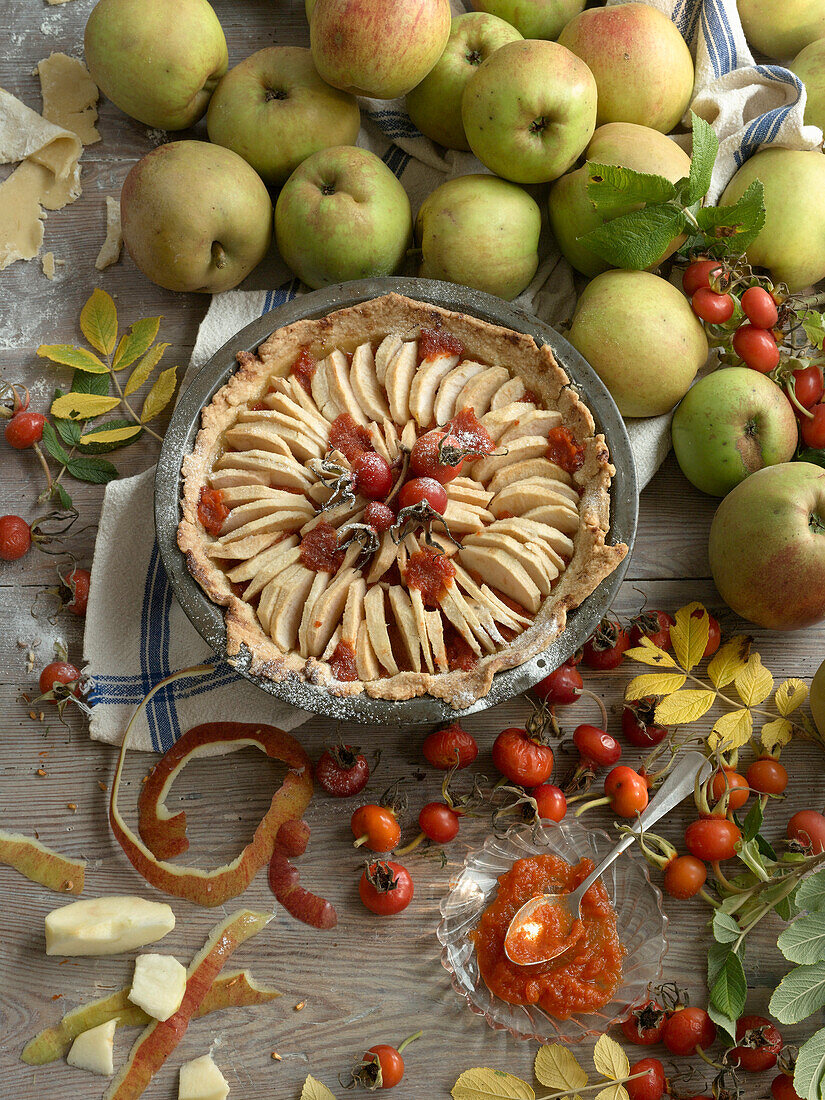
(606, 971)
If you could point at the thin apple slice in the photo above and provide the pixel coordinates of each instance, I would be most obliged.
(498, 421)
(286, 519)
(322, 393)
(286, 615)
(378, 441)
(383, 559)
(159, 1039)
(403, 613)
(233, 476)
(280, 470)
(94, 1050)
(409, 435)
(106, 926)
(521, 496)
(520, 450)
(478, 392)
(444, 407)
(311, 417)
(261, 568)
(338, 373)
(353, 612)
(569, 493)
(210, 888)
(530, 468)
(376, 619)
(435, 634)
(398, 380)
(328, 609)
(286, 423)
(513, 390)
(319, 585)
(537, 566)
(365, 385)
(201, 1079)
(260, 509)
(535, 422)
(249, 437)
(464, 490)
(41, 864)
(340, 514)
(461, 615)
(481, 594)
(242, 549)
(235, 990)
(557, 547)
(557, 516)
(253, 492)
(366, 663)
(420, 626)
(385, 354)
(464, 519)
(425, 383)
(391, 439)
(501, 571)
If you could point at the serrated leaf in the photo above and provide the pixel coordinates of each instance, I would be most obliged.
(754, 682)
(62, 497)
(647, 653)
(731, 229)
(556, 1068)
(52, 443)
(136, 342)
(96, 471)
(776, 734)
(160, 394)
(753, 821)
(613, 189)
(799, 994)
(729, 659)
(112, 435)
(731, 731)
(722, 1021)
(785, 908)
(684, 706)
(811, 892)
(94, 444)
(813, 322)
(68, 356)
(90, 383)
(613, 1092)
(490, 1084)
(98, 321)
(609, 1058)
(638, 240)
(689, 635)
(725, 930)
(804, 940)
(790, 695)
(313, 1089)
(144, 368)
(703, 157)
(729, 992)
(83, 406)
(654, 683)
(809, 1075)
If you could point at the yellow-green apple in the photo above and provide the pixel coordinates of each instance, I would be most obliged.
(274, 110)
(310, 7)
(529, 111)
(480, 231)
(378, 48)
(534, 18)
(792, 243)
(159, 66)
(642, 66)
(343, 215)
(731, 424)
(572, 214)
(767, 547)
(435, 105)
(195, 216)
(818, 698)
(641, 337)
(809, 66)
(781, 28)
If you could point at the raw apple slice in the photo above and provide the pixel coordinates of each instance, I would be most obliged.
(478, 392)
(246, 438)
(398, 380)
(41, 864)
(455, 608)
(158, 985)
(242, 549)
(503, 573)
(365, 386)
(106, 926)
(451, 386)
(366, 662)
(94, 1050)
(353, 612)
(464, 490)
(338, 375)
(535, 422)
(385, 354)
(260, 570)
(405, 620)
(497, 422)
(376, 618)
(435, 634)
(526, 447)
(201, 1079)
(428, 378)
(530, 468)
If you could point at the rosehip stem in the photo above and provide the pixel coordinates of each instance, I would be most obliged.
(409, 1039)
(41, 458)
(361, 840)
(409, 848)
(591, 1088)
(592, 805)
(599, 703)
(790, 390)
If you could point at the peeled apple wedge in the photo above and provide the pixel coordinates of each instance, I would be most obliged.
(158, 985)
(93, 1050)
(202, 1080)
(106, 926)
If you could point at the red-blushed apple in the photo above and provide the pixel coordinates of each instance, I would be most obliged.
(642, 66)
(809, 66)
(731, 424)
(641, 337)
(195, 216)
(274, 110)
(792, 242)
(529, 111)
(482, 232)
(767, 547)
(159, 66)
(343, 215)
(572, 214)
(781, 28)
(534, 18)
(435, 105)
(378, 48)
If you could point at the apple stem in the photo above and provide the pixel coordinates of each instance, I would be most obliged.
(218, 255)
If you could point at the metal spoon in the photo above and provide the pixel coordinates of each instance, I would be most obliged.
(692, 768)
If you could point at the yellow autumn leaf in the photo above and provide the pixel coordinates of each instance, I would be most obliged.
(609, 1058)
(776, 734)
(83, 406)
(732, 730)
(685, 706)
(490, 1084)
(790, 695)
(112, 435)
(754, 682)
(556, 1068)
(654, 683)
(314, 1089)
(135, 343)
(649, 654)
(160, 394)
(144, 368)
(98, 321)
(77, 358)
(613, 1092)
(689, 635)
(729, 659)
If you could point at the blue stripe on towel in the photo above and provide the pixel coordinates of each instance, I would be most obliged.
(395, 123)
(396, 160)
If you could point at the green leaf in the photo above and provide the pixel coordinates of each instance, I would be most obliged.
(63, 498)
(731, 229)
(753, 822)
(729, 992)
(69, 356)
(703, 157)
(90, 383)
(98, 321)
(89, 468)
(786, 908)
(144, 368)
(804, 940)
(637, 240)
(809, 1076)
(490, 1084)
(160, 394)
(809, 454)
(717, 953)
(110, 436)
(799, 994)
(723, 1021)
(68, 430)
(615, 190)
(83, 406)
(813, 323)
(725, 929)
(811, 892)
(136, 342)
(53, 445)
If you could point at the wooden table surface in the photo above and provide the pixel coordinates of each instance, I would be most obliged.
(369, 980)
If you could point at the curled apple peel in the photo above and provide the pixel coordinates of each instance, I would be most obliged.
(42, 864)
(291, 840)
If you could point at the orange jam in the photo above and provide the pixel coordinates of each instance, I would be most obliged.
(349, 438)
(211, 510)
(343, 663)
(303, 369)
(563, 449)
(431, 573)
(550, 929)
(586, 976)
(432, 344)
(471, 434)
(319, 549)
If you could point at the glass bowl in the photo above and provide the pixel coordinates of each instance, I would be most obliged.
(641, 924)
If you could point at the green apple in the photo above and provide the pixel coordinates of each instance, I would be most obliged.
(642, 66)
(767, 547)
(529, 110)
(435, 105)
(624, 143)
(641, 337)
(792, 242)
(533, 18)
(482, 232)
(731, 424)
(195, 217)
(781, 28)
(274, 110)
(378, 48)
(809, 66)
(343, 215)
(818, 699)
(157, 65)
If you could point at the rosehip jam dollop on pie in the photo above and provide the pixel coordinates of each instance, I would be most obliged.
(396, 499)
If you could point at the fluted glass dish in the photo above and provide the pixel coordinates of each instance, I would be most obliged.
(640, 921)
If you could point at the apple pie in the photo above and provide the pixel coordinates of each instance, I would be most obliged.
(396, 499)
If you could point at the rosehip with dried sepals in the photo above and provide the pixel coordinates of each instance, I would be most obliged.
(759, 1045)
(57, 676)
(639, 723)
(342, 771)
(688, 1028)
(654, 625)
(645, 1024)
(76, 584)
(561, 687)
(606, 648)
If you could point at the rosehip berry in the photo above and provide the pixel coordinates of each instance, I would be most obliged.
(424, 488)
(77, 582)
(808, 385)
(15, 537)
(551, 803)
(757, 348)
(813, 428)
(759, 307)
(379, 516)
(652, 1085)
(688, 1028)
(373, 476)
(699, 274)
(57, 673)
(711, 307)
(25, 429)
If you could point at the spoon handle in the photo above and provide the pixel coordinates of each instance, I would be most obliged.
(678, 783)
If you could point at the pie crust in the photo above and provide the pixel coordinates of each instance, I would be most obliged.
(532, 534)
